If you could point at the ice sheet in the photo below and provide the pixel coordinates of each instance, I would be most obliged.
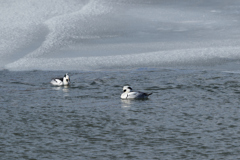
(96, 34)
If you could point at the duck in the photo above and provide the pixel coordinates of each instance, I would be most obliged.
(61, 81)
(129, 94)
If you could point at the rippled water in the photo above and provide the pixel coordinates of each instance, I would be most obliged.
(192, 114)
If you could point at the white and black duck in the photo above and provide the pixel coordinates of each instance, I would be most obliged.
(129, 94)
(61, 81)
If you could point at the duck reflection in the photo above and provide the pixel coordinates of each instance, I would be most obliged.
(63, 88)
(126, 103)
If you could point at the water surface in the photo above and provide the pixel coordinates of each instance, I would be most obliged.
(192, 114)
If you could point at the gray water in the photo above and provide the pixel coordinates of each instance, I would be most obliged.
(192, 114)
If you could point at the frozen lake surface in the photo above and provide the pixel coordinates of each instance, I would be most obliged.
(102, 34)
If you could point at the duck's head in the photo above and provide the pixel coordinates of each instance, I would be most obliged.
(66, 79)
(127, 89)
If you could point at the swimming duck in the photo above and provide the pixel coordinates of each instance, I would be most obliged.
(61, 81)
(129, 94)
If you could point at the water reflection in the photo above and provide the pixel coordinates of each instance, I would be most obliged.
(126, 103)
(65, 89)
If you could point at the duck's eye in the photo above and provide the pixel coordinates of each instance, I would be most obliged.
(67, 80)
(124, 90)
